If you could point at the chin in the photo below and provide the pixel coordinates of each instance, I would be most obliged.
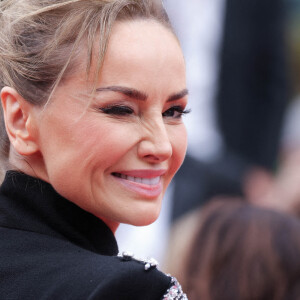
(144, 218)
(144, 222)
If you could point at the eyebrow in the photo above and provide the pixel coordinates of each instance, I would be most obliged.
(138, 95)
(178, 96)
(129, 92)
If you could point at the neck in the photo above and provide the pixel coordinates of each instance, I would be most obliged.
(30, 165)
(113, 226)
(34, 166)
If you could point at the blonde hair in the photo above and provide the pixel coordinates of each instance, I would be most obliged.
(39, 40)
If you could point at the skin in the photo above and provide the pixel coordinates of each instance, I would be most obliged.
(79, 145)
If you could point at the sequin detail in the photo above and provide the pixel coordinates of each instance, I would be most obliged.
(175, 291)
(148, 263)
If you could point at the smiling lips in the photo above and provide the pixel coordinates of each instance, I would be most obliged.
(147, 183)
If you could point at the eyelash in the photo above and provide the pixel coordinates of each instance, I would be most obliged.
(176, 109)
(121, 110)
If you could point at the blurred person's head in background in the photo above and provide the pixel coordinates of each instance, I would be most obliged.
(244, 252)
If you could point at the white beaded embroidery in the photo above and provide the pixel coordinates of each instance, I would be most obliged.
(175, 291)
(148, 263)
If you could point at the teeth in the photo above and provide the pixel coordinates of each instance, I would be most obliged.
(137, 179)
(148, 181)
(130, 178)
(151, 181)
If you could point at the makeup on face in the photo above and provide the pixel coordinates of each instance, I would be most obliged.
(117, 158)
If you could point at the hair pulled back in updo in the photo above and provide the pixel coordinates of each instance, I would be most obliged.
(40, 40)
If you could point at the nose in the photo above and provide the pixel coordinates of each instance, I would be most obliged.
(155, 145)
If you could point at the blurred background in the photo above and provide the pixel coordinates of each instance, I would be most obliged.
(243, 76)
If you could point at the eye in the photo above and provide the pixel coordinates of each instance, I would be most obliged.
(175, 112)
(118, 110)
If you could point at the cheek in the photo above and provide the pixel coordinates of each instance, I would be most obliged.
(108, 142)
(178, 140)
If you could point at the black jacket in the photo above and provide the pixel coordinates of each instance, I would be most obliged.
(52, 249)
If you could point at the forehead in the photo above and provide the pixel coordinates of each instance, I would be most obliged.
(142, 54)
(143, 47)
(139, 35)
(141, 28)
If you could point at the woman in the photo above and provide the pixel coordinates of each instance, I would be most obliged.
(92, 96)
(243, 252)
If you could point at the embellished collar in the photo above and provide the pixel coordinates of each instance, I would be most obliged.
(31, 204)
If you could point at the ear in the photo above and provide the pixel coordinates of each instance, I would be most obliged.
(18, 117)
